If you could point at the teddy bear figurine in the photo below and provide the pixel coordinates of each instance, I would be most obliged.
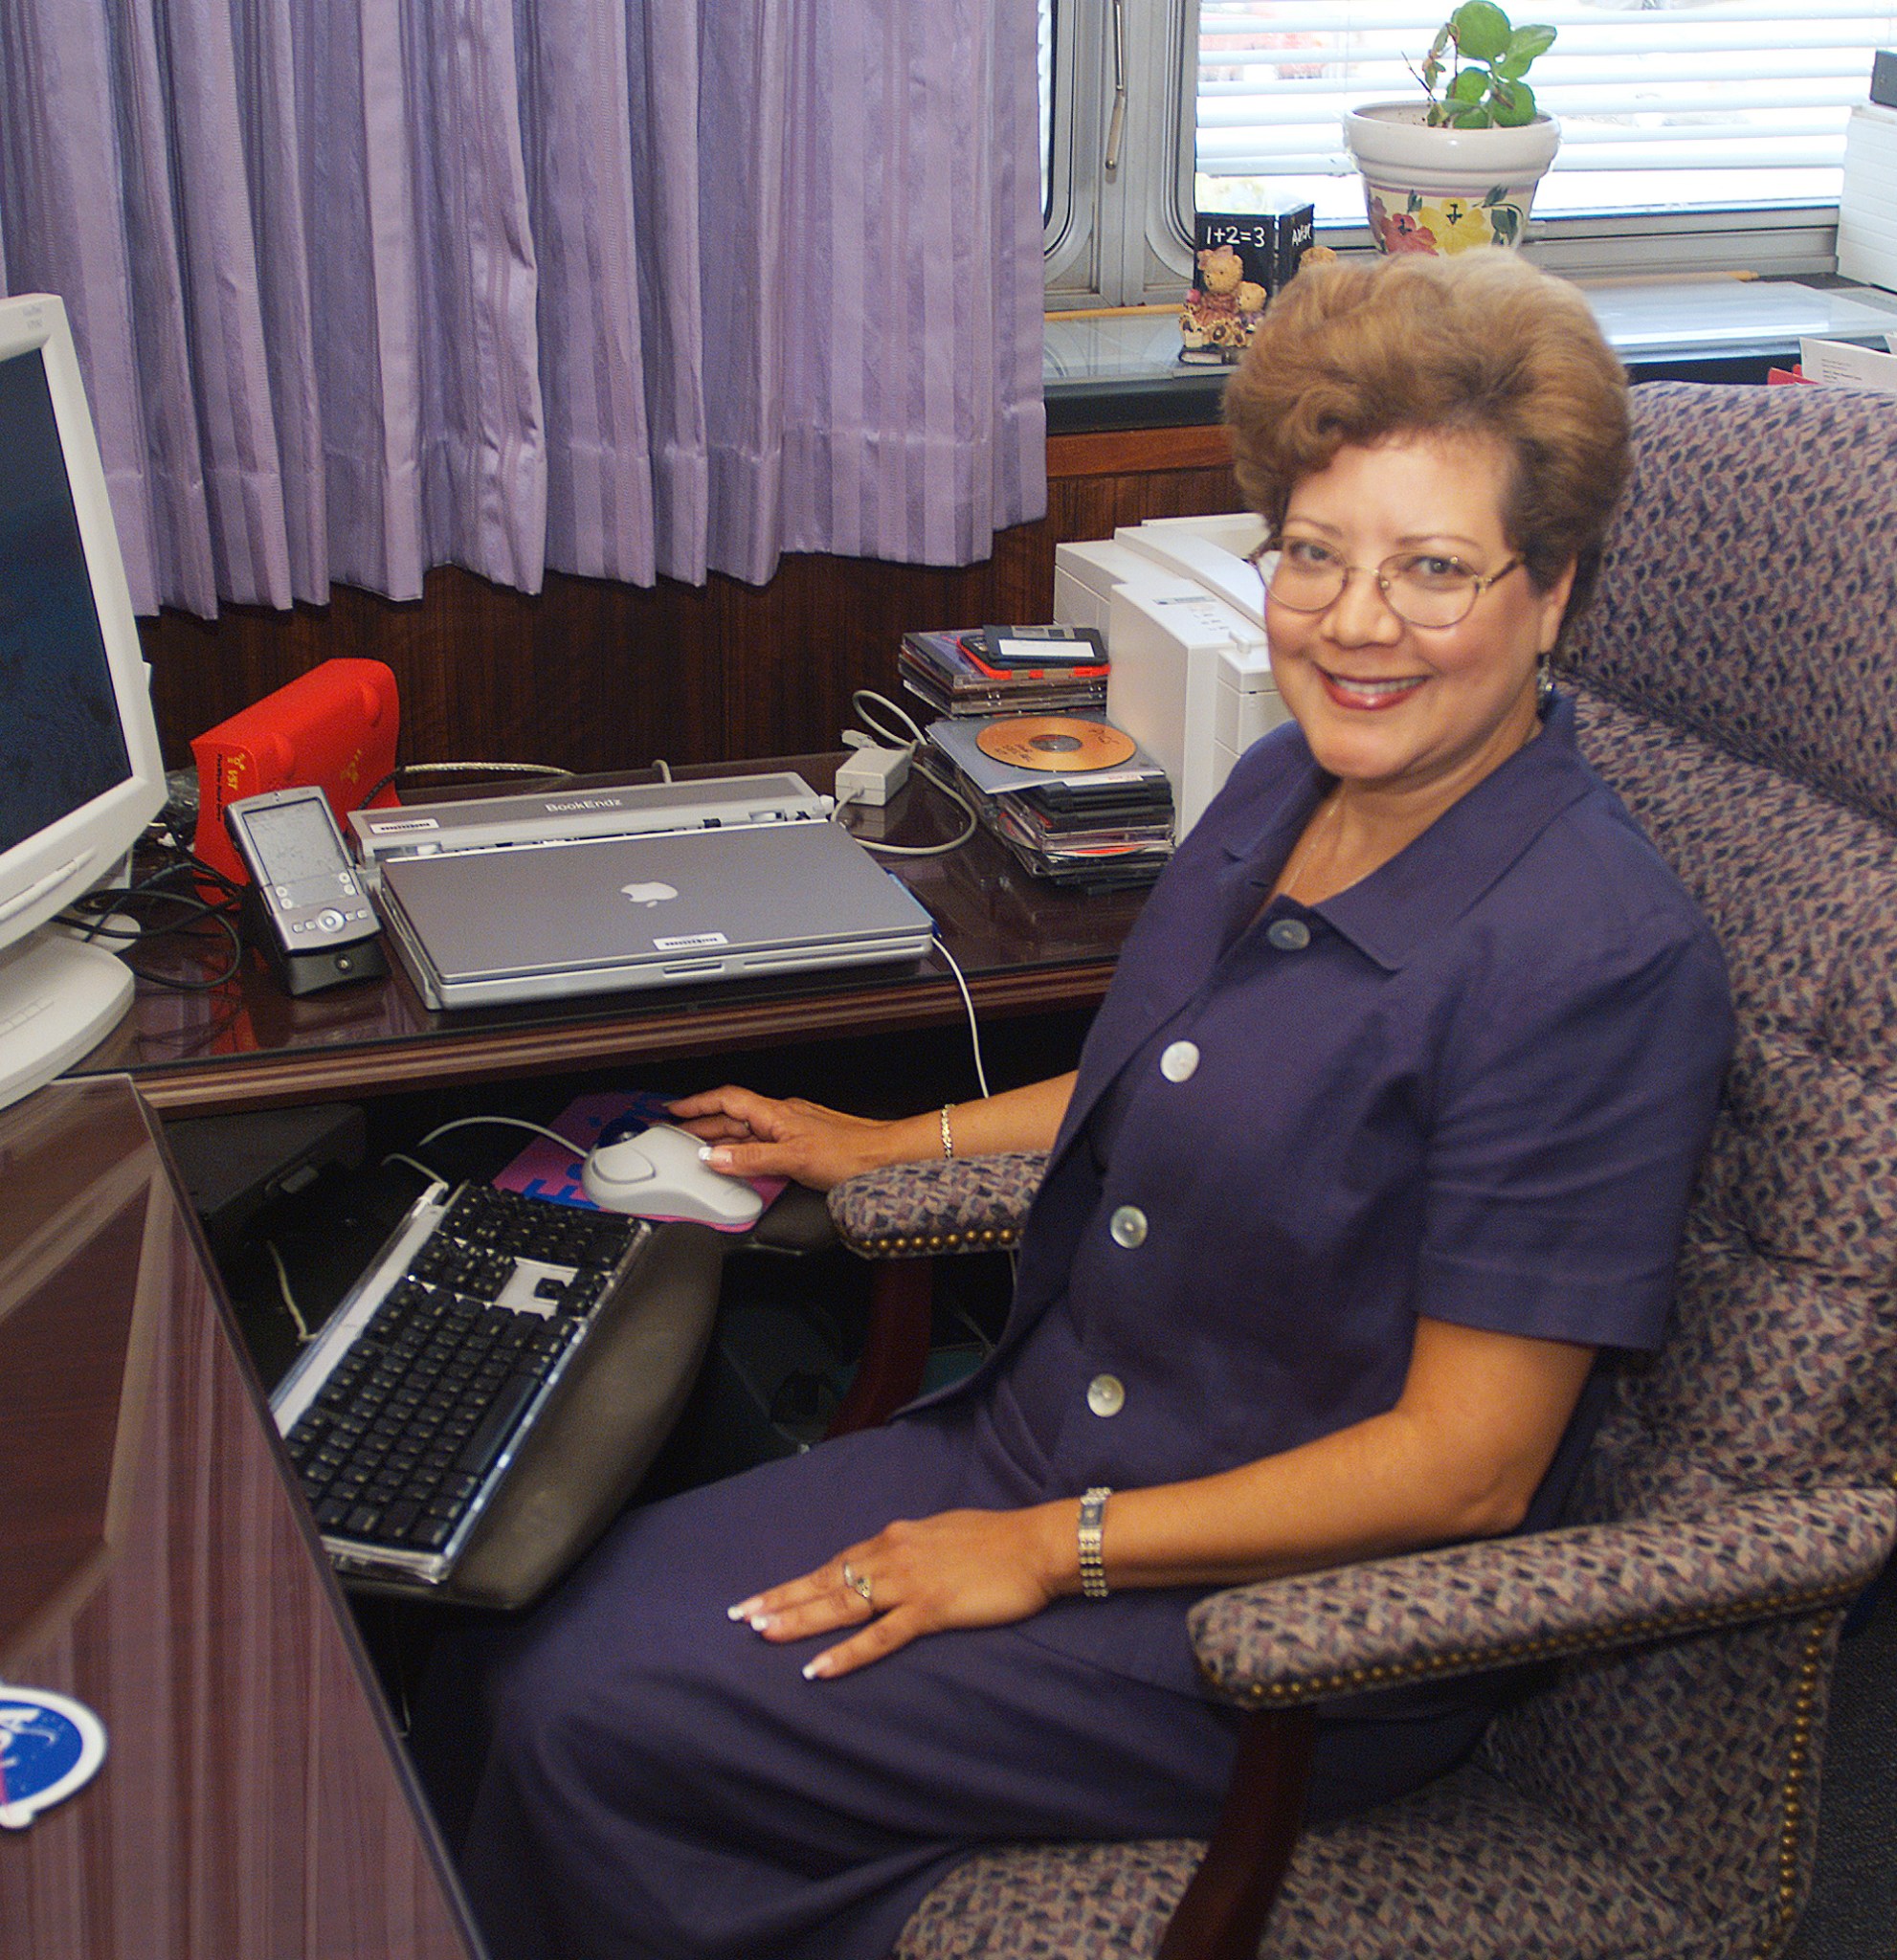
(1223, 309)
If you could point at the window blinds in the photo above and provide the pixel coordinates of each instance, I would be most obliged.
(1735, 101)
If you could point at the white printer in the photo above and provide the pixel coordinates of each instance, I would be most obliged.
(1183, 617)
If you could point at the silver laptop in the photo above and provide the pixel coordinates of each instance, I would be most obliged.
(587, 915)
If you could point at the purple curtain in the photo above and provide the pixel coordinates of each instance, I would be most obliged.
(624, 287)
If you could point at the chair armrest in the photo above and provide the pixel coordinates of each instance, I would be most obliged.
(961, 1204)
(1462, 1609)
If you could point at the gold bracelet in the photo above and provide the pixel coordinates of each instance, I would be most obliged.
(947, 1134)
(1093, 1568)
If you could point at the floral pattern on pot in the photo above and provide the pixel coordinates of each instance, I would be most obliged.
(1402, 221)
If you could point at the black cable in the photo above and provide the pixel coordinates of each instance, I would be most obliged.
(192, 912)
(464, 768)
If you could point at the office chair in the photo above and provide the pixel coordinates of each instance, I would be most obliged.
(1658, 1795)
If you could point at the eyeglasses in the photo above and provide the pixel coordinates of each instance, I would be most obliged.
(1421, 588)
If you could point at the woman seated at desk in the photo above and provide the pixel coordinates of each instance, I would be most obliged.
(1384, 1132)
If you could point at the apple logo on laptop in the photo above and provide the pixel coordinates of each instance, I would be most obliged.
(654, 893)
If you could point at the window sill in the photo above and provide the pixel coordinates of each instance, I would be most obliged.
(1122, 370)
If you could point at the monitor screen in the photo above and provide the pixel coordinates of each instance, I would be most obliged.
(61, 742)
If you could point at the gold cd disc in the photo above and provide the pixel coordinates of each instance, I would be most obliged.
(1054, 743)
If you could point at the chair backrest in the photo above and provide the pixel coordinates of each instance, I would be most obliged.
(1737, 680)
(1738, 674)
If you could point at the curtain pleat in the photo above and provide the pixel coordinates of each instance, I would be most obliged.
(624, 287)
(578, 126)
(271, 119)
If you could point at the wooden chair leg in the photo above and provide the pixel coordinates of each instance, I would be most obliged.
(902, 1304)
(1222, 1914)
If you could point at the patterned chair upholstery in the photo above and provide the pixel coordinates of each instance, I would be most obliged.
(1738, 685)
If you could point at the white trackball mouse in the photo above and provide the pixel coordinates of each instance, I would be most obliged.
(658, 1174)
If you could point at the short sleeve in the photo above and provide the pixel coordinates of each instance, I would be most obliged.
(1574, 1106)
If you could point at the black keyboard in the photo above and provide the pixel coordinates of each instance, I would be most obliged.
(405, 1414)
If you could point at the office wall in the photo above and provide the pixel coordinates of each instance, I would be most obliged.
(589, 675)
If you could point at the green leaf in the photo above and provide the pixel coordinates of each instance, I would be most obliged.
(1513, 104)
(1501, 222)
(1482, 30)
(1527, 42)
(1469, 86)
(1432, 74)
(1439, 46)
(1471, 116)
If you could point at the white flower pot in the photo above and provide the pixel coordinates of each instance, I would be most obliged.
(1445, 190)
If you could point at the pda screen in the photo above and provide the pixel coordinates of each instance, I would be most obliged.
(296, 846)
(60, 741)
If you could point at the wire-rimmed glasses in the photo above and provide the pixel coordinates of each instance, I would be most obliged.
(1421, 588)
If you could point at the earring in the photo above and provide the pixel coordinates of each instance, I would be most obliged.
(1544, 684)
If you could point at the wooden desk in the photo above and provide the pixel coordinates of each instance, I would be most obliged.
(1025, 946)
(253, 1804)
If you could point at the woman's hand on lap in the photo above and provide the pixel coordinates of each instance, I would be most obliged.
(958, 1568)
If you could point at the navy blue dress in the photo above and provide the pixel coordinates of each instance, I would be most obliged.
(1473, 1086)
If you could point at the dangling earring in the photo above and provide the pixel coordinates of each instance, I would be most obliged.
(1544, 684)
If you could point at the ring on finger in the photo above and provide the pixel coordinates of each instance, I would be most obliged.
(859, 1584)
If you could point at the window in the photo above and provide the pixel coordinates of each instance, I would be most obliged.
(1695, 132)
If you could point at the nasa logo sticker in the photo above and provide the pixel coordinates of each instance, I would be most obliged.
(50, 1746)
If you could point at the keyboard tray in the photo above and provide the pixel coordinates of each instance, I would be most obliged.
(407, 1412)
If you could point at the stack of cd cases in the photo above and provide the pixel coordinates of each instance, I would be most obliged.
(947, 670)
(1074, 798)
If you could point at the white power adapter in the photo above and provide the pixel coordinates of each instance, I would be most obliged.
(872, 775)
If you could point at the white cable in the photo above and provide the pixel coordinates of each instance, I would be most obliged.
(289, 1298)
(974, 1326)
(968, 1001)
(865, 702)
(414, 1163)
(539, 1129)
(954, 843)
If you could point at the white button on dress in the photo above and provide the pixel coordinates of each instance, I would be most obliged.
(1178, 1061)
(1106, 1395)
(1128, 1225)
(1289, 935)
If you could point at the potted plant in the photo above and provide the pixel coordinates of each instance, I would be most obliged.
(1460, 167)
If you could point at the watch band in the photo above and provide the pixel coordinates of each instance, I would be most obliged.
(1093, 1514)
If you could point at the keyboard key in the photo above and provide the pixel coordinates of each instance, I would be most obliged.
(484, 1444)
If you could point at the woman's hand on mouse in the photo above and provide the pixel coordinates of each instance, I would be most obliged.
(757, 1136)
(958, 1568)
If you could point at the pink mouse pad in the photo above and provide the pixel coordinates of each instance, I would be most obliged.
(545, 1170)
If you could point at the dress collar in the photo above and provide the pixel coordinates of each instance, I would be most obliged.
(1437, 877)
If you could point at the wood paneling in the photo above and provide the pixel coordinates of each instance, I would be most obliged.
(1136, 452)
(589, 675)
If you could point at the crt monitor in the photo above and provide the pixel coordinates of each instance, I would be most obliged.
(81, 774)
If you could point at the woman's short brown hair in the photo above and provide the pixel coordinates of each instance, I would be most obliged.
(1482, 343)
